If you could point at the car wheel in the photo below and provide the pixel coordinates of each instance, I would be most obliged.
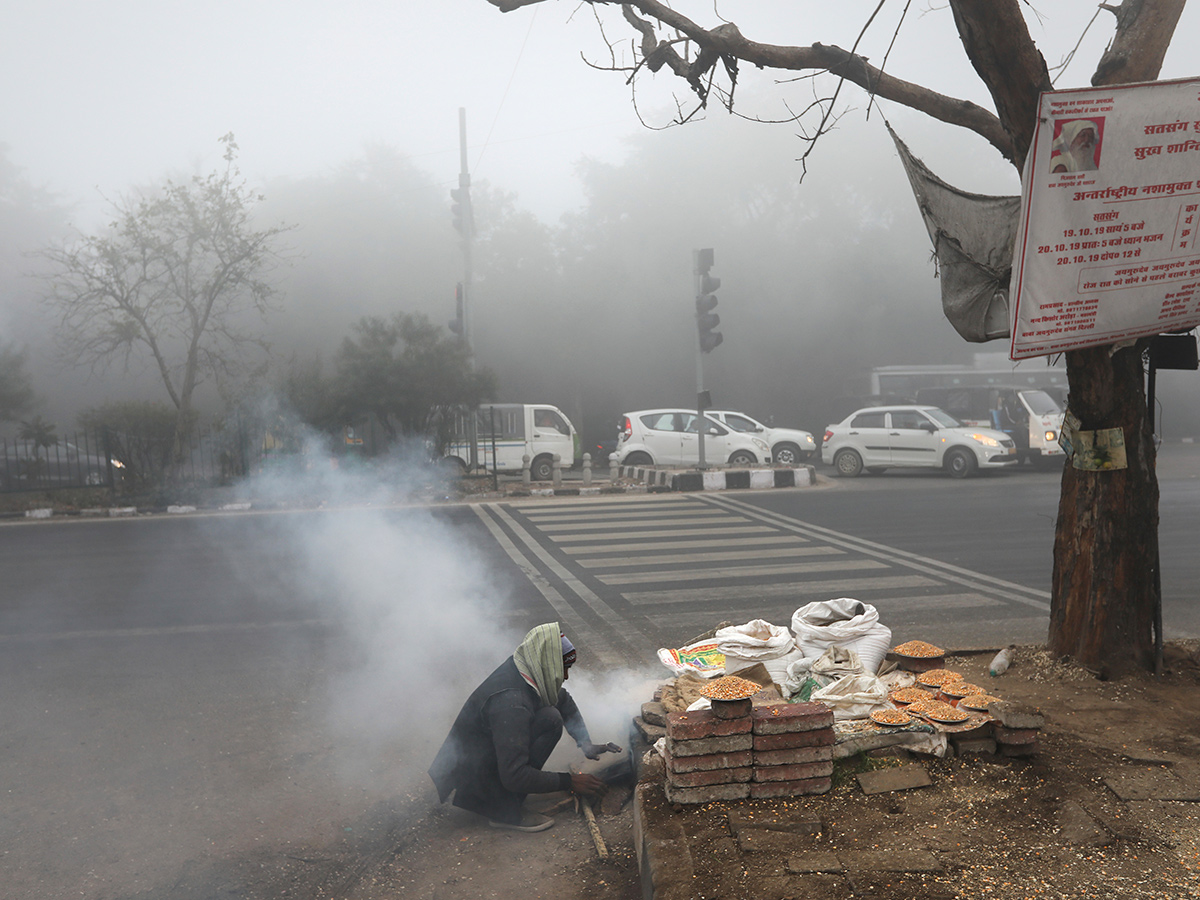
(637, 458)
(542, 468)
(742, 458)
(960, 463)
(786, 455)
(876, 470)
(847, 463)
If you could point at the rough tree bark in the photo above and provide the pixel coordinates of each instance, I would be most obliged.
(1106, 539)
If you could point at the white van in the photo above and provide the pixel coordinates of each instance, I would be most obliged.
(1029, 416)
(508, 431)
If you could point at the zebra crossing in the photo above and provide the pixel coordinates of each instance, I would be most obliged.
(630, 575)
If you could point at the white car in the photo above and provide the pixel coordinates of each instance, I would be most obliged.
(880, 437)
(671, 437)
(789, 446)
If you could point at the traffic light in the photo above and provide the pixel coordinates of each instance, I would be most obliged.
(456, 324)
(460, 210)
(706, 302)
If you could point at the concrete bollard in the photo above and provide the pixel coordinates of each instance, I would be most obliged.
(614, 470)
(587, 469)
(526, 478)
(556, 469)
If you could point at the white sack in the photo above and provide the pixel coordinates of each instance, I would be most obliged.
(796, 675)
(836, 662)
(853, 696)
(758, 641)
(847, 623)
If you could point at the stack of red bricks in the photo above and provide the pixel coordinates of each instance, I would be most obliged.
(737, 751)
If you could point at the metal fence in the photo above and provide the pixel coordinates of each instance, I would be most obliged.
(111, 459)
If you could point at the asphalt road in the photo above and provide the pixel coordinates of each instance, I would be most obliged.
(202, 706)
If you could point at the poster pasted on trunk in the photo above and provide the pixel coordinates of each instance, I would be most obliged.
(1106, 247)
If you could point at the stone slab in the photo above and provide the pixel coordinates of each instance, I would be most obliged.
(1005, 735)
(782, 718)
(702, 723)
(1080, 829)
(792, 756)
(767, 790)
(907, 861)
(704, 746)
(702, 777)
(709, 761)
(821, 737)
(648, 731)
(901, 778)
(814, 863)
(1014, 715)
(1157, 783)
(794, 772)
(708, 793)
(776, 820)
(654, 713)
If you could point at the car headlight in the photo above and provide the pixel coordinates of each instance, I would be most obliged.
(985, 440)
(761, 445)
(117, 464)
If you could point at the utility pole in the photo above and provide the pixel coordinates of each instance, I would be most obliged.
(464, 222)
(706, 338)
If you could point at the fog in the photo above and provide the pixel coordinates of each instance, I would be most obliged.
(348, 124)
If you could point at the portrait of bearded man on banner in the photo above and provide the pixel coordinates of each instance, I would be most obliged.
(1076, 146)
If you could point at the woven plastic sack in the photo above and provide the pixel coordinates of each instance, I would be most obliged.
(701, 658)
(758, 641)
(853, 696)
(844, 622)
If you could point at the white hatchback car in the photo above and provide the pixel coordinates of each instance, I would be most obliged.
(789, 446)
(671, 437)
(880, 437)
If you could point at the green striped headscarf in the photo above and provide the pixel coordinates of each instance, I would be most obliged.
(539, 657)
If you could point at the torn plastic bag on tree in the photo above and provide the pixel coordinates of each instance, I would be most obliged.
(758, 641)
(853, 696)
(973, 237)
(847, 623)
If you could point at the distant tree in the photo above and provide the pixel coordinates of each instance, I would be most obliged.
(39, 432)
(407, 372)
(177, 280)
(16, 393)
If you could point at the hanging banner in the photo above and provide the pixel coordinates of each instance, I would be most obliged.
(1110, 202)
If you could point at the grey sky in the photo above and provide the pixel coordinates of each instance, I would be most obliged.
(102, 94)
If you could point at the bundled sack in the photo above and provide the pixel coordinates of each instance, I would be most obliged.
(853, 696)
(701, 658)
(847, 623)
(758, 641)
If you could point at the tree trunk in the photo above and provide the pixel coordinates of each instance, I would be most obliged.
(1106, 541)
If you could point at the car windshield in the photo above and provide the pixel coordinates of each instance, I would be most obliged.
(943, 418)
(1040, 403)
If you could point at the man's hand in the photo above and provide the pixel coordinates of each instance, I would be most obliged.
(582, 783)
(593, 751)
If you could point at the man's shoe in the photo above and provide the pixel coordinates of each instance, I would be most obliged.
(530, 821)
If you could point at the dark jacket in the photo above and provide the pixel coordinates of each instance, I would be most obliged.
(486, 757)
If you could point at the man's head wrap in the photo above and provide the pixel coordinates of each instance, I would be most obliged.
(539, 658)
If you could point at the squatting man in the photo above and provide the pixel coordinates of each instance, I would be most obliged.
(504, 734)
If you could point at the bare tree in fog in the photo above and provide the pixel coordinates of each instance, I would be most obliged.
(407, 372)
(175, 280)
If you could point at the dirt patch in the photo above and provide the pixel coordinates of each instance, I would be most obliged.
(1109, 807)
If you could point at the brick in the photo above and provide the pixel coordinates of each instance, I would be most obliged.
(794, 773)
(654, 713)
(650, 732)
(792, 756)
(768, 790)
(784, 718)
(708, 793)
(710, 761)
(974, 745)
(710, 776)
(1015, 735)
(1013, 715)
(821, 737)
(701, 723)
(704, 746)
(731, 709)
